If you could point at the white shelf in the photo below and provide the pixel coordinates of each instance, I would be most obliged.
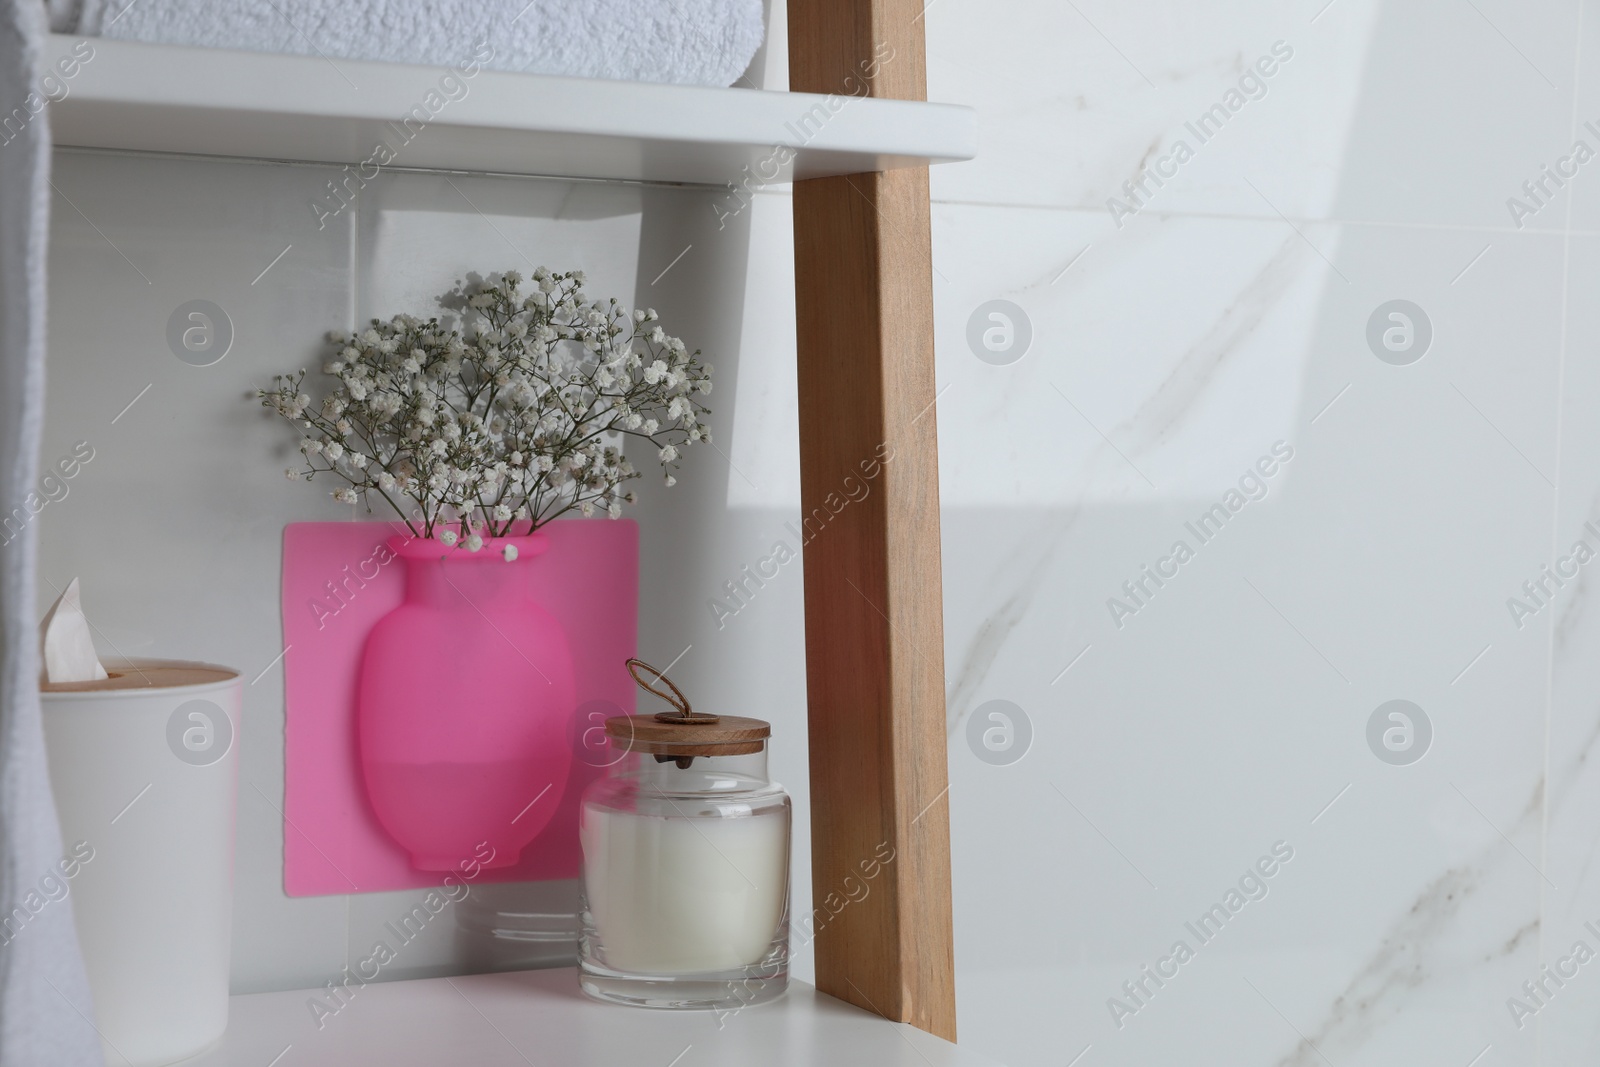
(163, 98)
(540, 1017)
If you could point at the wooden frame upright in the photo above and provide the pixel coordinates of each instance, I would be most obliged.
(873, 597)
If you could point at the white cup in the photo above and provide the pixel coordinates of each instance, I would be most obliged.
(144, 767)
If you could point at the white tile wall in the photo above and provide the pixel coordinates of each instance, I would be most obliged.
(1569, 1026)
(1168, 354)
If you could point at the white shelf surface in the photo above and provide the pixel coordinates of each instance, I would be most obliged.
(539, 1017)
(199, 101)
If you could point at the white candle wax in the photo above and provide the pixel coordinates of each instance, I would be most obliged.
(685, 895)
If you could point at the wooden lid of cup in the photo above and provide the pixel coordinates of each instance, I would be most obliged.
(683, 732)
(145, 674)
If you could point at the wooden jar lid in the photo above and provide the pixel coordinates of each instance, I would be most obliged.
(669, 734)
(683, 733)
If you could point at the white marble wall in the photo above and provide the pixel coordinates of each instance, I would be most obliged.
(1227, 312)
(1169, 354)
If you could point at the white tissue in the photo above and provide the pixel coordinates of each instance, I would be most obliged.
(65, 644)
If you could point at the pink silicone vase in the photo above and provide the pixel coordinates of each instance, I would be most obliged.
(465, 698)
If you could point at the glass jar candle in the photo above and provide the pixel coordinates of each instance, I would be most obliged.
(685, 866)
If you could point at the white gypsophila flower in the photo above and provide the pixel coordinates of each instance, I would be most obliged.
(291, 474)
(474, 542)
(499, 415)
(345, 496)
(509, 553)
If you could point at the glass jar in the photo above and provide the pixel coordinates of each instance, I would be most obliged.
(685, 866)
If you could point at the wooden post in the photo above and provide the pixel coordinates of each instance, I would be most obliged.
(869, 487)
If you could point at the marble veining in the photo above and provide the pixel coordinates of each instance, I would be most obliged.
(1196, 369)
(1399, 964)
(999, 625)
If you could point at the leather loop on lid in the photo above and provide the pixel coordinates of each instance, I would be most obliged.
(685, 714)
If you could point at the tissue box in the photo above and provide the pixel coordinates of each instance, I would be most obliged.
(144, 768)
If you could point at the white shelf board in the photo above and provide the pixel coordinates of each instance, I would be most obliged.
(540, 1017)
(164, 98)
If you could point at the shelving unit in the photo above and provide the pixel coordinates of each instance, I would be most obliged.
(512, 1020)
(210, 102)
(873, 594)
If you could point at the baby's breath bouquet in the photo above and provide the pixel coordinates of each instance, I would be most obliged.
(514, 419)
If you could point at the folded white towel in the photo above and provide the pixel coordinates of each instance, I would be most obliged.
(44, 997)
(686, 42)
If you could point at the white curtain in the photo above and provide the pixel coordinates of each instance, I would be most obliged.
(45, 1010)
